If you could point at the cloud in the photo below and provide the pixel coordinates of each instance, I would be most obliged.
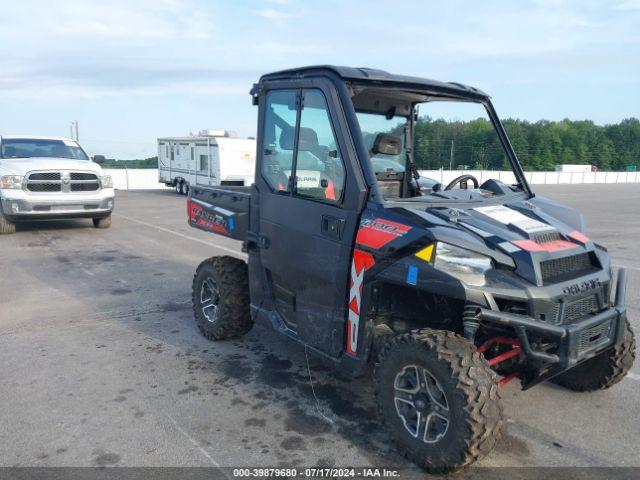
(629, 5)
(273, 15)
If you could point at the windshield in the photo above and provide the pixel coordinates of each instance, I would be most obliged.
(450, 139)
(30, 147)
(371, 125)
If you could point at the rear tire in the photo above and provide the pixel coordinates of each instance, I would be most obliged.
(220, 298)
(426, 376)
(603, 371)
(102, 222)
(6, 225)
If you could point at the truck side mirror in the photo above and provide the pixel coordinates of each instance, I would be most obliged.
(99, 158)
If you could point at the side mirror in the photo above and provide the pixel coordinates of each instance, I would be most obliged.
(99, 158)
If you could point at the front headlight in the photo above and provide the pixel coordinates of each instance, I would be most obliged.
(107, 181)
(11, 182)
(465, 265)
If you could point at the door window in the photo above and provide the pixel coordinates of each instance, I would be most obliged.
(278, 138)
(320, 171)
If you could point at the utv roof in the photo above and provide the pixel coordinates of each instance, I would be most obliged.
(378, 77)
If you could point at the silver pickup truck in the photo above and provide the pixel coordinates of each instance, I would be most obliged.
(51, 178)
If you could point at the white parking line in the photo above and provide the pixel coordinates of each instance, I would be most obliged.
(182, 235)
(193, 441)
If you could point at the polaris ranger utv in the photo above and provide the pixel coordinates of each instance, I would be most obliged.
(450, 290)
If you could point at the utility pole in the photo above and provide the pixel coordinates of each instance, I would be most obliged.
(451, 156)
(73, 128)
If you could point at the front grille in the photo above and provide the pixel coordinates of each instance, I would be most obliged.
(85, 187)
(44, 187)
(49, 182)
(83, 176)
(559, 269)
(45, 176)
(546, 237)
(594, 336)
(580, 308)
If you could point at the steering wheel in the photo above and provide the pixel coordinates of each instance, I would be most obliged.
(460, 179)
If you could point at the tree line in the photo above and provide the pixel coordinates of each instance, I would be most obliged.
(539, 145)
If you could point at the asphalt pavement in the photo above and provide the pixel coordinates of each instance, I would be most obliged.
(101, 363)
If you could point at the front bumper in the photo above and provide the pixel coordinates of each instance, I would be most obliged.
(21, 205)
(575, 342)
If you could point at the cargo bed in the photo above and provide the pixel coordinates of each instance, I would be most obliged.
(222, 210)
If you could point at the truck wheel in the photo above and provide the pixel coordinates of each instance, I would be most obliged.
(438, 398)
(6, 226)
(102, 222)
(603, 371)
(178, 187)
(185, 188)
(220, 298)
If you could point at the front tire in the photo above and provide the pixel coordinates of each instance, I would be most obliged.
(6, 225)
(102, 222)
(604, 370)
(439, 399)
(220, 298)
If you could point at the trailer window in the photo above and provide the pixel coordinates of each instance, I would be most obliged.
(203, 165)
(278, 138)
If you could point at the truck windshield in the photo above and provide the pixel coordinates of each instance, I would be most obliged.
(31, 147)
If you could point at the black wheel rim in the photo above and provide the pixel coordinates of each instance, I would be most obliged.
(421, 404)
(209, 299)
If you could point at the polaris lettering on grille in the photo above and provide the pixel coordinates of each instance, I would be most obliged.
(581, 287)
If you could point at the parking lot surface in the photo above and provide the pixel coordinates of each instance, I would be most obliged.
(101, 362)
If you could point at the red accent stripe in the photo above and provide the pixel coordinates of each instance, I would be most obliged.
(555, 246)
(379, 232)
(578, 236)
(528, 245)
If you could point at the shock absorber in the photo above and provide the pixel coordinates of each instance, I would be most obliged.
(470, 321)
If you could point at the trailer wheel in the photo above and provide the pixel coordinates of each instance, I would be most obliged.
(220, 298)
(438, 398)
(603, 371)
(6, 226)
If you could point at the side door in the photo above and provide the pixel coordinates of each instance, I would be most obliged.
(309, 204)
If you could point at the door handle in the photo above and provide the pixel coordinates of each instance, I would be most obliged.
(332, 227)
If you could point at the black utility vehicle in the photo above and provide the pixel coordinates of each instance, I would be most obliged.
(451, 290)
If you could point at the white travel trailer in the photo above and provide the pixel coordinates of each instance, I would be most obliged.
(212, 157)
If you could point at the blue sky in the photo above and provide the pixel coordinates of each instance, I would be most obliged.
(130, 71)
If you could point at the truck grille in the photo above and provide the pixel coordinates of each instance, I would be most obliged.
(62, 182)
(559, 269)
(594, 336)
